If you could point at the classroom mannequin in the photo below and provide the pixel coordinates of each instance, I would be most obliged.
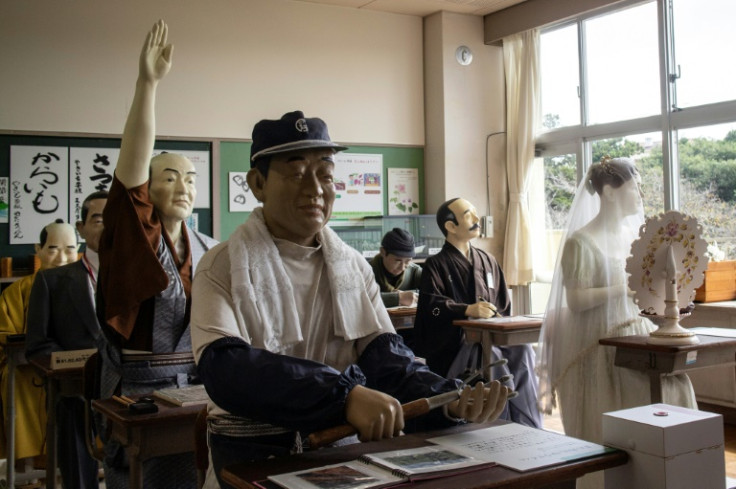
(463, 281)
(589, 300)
(396, 274)
(57, 247)
(147, 260)
(288, 326)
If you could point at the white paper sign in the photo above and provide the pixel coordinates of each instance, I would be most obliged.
(403, 191)
(240, 198)
(358, 185)
(4, 199)
(39, 190)
(91, 170)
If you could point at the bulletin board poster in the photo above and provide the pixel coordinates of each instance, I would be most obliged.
(4, 201)
(403, 191)
(239, 195)
(91, 170)
(39, 190)
(358, 186)
(201, 162)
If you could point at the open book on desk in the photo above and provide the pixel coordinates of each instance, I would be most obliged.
(183, 396)
(383, 469)
(520, 447)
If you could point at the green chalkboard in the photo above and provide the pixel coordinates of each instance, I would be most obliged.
(235, 155)
(21, 253)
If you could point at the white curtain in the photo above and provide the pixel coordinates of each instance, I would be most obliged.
(523, 111)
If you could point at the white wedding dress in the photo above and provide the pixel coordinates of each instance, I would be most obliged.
(587, 382)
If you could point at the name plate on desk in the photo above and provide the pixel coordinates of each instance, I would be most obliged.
(70, 358)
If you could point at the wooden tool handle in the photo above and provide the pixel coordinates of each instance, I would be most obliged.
(330, 435)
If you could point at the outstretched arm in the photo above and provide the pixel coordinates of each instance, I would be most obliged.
(140, 127)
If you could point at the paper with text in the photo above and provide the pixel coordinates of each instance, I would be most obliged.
(520, 447)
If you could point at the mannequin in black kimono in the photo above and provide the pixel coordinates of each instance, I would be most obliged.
(462, 281)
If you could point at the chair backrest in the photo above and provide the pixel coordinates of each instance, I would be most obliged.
(91, 377)
(201, 451)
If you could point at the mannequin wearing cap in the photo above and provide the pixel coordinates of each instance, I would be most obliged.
(57, 247)
(462, 281)
(395, 273)
(288, 327)
(146, 307)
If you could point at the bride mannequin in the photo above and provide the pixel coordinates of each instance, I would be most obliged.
(589, 300)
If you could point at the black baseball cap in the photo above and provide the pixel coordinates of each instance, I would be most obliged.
(293, 131)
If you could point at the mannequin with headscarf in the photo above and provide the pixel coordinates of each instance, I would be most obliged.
(589, 300)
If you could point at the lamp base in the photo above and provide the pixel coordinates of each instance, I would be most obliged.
(669, 331)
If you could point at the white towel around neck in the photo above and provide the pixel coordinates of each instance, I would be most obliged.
(261, 289)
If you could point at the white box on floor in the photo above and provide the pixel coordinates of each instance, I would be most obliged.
(669, 447)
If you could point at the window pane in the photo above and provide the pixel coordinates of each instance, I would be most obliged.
(704, 47)
(708, 182)
(646, 151)
(560, 72)
(551, 191)
(623, 65)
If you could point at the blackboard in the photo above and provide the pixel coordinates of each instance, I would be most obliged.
(235, 156)
(22, 254)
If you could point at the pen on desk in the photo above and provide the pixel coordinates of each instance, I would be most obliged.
(125, 402)
(127, 399)
(495, 311)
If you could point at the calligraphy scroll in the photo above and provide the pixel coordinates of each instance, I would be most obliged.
(39, 190)
(91, 170)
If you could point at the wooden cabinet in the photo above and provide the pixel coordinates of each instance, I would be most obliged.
(715, 386)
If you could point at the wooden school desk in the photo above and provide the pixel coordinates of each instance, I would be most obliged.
(67, 382)
(402, 317)
(660, 360)
(144, 436)
(563, 476)
(505, 331)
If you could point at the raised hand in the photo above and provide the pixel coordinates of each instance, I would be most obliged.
(155, 60)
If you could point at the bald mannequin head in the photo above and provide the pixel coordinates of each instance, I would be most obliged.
(172, 186)
(58, 245)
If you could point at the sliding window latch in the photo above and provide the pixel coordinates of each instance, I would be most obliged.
(675, 76)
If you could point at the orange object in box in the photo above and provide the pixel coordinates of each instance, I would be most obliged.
(719, 283)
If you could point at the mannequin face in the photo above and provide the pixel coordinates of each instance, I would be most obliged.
(60, 247)
(172, 188)
(393, 264)
(468, 226)
(628, 197)
(91, 229)
(298, 194)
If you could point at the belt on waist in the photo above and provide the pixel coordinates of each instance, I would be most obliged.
(158, 359)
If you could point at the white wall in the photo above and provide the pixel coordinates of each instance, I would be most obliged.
(70, 66)
(464, 104)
